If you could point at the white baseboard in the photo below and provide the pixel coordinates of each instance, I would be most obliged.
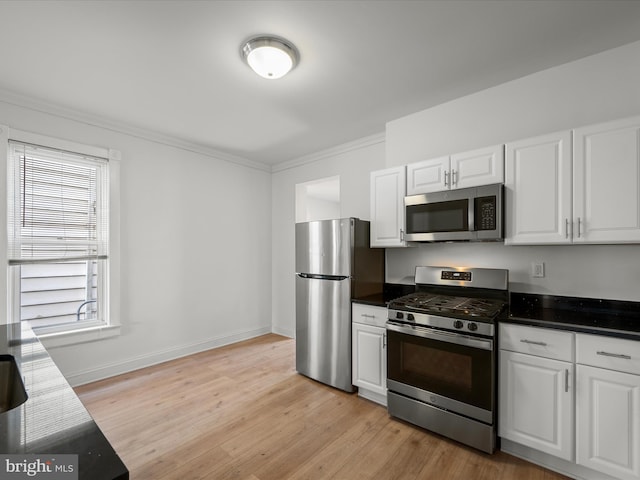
(128, 365)
(285, 332)
(568, 469)
(373, 396)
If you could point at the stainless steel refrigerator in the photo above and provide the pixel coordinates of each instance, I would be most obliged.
(333, 265)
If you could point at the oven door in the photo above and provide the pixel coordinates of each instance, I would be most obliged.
(447, 370)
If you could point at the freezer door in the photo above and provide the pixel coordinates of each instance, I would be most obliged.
(324, 247)
(323, 331)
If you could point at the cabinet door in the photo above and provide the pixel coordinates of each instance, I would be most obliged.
(536, 403)
(477, 167)
(387, 207)
(428, 176)
(538, 190)
(608, 422)
(607, 182)
(369, 358)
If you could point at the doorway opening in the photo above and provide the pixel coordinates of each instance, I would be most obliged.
(318, 199)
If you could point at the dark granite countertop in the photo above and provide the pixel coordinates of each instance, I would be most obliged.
(390, 291)
(614, 318)
(53, 420)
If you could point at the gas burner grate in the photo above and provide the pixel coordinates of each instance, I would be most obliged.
(452, 306)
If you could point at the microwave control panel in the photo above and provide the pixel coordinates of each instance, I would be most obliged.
(485, 213)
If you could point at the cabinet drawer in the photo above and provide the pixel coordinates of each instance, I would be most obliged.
(542, 342)
(607, 352)
(369, 315)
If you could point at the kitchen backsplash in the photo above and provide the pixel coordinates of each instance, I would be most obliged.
(597, 271)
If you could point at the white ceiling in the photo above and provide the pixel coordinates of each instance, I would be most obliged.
(173, 67)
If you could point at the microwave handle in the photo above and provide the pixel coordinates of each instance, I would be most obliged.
(472, 214)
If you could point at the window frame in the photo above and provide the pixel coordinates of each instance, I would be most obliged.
(67, 334)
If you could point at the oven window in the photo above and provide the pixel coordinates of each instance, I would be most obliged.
(449, 216)
(455, 371)
(455, 368)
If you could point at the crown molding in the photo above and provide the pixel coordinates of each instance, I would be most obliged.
(330, 152)
(37, 105)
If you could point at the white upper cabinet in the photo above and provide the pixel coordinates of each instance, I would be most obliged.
(470, 169)
(538, 190)
(428, 176)
(586, 194)
(478, 167)
(607, 182)
(388, 189)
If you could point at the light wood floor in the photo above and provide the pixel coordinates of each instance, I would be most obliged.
(242, 412)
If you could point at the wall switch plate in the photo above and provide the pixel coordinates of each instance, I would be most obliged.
(537, 269)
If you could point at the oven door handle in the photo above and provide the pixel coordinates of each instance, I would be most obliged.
(429, 333)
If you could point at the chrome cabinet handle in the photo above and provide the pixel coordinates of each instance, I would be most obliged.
(614, 355)
(446, 179)
(566, 380)
(579, 225)
(401, 235)
(384, 340)
(453, 178)
(366, 315)
(532, 342)
(566, 228)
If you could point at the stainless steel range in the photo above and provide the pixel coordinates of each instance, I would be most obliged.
(441, 354)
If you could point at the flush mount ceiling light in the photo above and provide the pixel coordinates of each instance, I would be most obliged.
(270, 56)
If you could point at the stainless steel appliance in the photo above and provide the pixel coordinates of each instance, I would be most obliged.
(441, 353)
(467, 214)
(333, 265)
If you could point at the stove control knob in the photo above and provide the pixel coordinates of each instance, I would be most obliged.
(472, 326)
(458, 324)
(410, 317)
(399, 315)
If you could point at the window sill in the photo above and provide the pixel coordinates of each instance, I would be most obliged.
(91, 334)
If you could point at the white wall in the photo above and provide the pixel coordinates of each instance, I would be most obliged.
(597, 271)
(352, 163)
(595, 89)
(195, 249)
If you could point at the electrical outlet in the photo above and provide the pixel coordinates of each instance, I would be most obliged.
(537, 269)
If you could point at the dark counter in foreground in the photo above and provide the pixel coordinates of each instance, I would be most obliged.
(614, 318)
(390, 291)
(53, 420)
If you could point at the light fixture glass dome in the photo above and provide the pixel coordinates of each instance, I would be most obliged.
(269, 56)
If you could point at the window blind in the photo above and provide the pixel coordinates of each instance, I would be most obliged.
(58, 208)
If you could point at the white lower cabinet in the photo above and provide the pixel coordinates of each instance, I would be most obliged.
(536, 403)
(369, 352)
(608, 406)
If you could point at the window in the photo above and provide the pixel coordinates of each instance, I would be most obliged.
(58, 246)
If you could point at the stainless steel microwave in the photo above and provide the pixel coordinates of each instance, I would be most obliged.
(467, 214)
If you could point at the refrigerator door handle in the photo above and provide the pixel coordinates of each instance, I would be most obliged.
(323, 277)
